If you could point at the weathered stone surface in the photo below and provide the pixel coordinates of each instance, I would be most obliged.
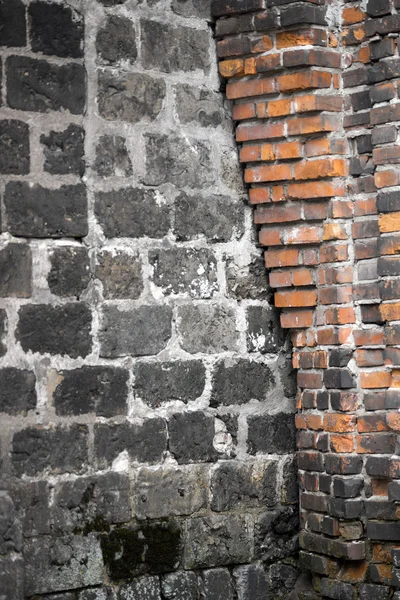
(17, 391)
(276, 534)
(216, 584)
(69, 274)
(217, 218)
(237, 485)
(36, 211)
(209, 329)
(191, 437)
(12, 578)
(145, 588)
(230, 172)
(165, 492)
(192, 8)
(139, 332)
(157, 383)
(55, 329)
(264, 333)
(239, 381)
(120, 273)
(184, 162)
(112, 158)
(104, 593)
(271, 433)
(10, 528)
(102, 390)
(217, 540)
(290, 486)
(39, 86)
(183, 270)
(201, 106)
(247, 282)
(3, 330)
(112, 2)
(14, 147)
(91, 503)
(53, 565)
(60, 449)
(55, 29)
(13, 21)
(139, 97)
(171, 49)
(117, 40)
(132, 212)
(283, 579)
(143, 443)
(64, 151)
(16, 271)
(251, 582)
(179, 586)
(31, 502)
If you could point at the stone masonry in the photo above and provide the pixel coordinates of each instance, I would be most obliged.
(147, 406)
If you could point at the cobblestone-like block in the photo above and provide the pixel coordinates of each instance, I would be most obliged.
(12, 577)
(216, 584)
(144, 588)
(179, 586)
(201, 106)
(17, 391)
(263, 330)
(120, 273)
(55, 30)
(239, 381)
(16, 271)
(192, 8)
(271, 433)
(31, 502)
(117, 40)
(64, 151)
(191, 437)
(247, 282)
(208, 329)
(10, 528)
(112, 158)
(14, 147)
(69, 274)
(251, 582)
(13, 20)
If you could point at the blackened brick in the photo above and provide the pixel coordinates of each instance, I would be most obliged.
(101, 390)
(55, 329)
(377, 8)
(191, 437)
(382, 48)
(69, 274)
(389, 24)
(338, 378)
(381, 93)
(14, 147)
(63, 151)
(17, 391)
(39, 86)
(302, 13)
(35, 211)
(348, 465)
(384, 135)
(12, 23)
(388, 202)
(383, 531)
(55, 30)
(271, 433)
(347, 488)
(364, 144)
(16, 271)
(161, 382)
(61, 449)
(360, 101)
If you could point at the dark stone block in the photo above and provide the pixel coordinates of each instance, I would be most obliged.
(31, 502)
(144, 443)
(157, 383)
(290, 484)
(276, 534)
(35, 211)
(70, 271)
(39, 86)
(345, 508)
(340, 357)
(17, 391)
(101, 390)
(216, 584)
(120, 273)
(303, 13)
(145, 588)
(112, 158)
(55, 329)
(271, 434)
(179, 586)
(10, 528)
(191, 437)
(103, 593)
(192, 8)
(264, 333)
(55, 30)
(283, 579)
(239, 381)
(369, 591)
(360, 100)
(12, 23)
(121, 213)
(249, 282)
(64, 151)
(251, 581)
(377, 8)
(12, 573)
(16, 271)
(221, 8)
(117, 40)
(14, 147)
(337, 590)
(60, 449)
(364, 144)
(139, 332)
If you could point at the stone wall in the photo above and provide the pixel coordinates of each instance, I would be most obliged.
(146, 395)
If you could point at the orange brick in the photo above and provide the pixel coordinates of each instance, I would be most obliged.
(279, 279)
(370, 423)
(316, 189)
(261, 110)
(302, 277)
(267, 62)
(389, 222)
(277, 214)
(300, 421)
(314, 422)
(267, 152)
(342, 209)
(259, 195)
(375, 379)
(278, 193)
(319, 168)
(302, 235)
(318, 147)
(386, 178)
(334, 231)
(253, 87)
(295, 299)
(313, 102)
(342, 443)
(308, 380)
(279, 108)
(247, 132)
(315, 124)
(303, 81)
(379, 487)
(365, 206)
(390, 312)
(243, 111)
(232, 68)
(395, 378)
(333, 253)
(352, 14)
(288, 150)
(393, 421)
(368, 337)
(340, 315)
(263, 44)
(270, 237)
(251, 153)
(338, 423)
(288, 257)
(289, 39)
(297, 319)
(363, 55)
(266, 173)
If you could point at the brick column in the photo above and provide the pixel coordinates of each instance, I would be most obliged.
(304, 78)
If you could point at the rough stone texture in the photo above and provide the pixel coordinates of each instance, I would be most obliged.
(191, 437)
(55, 30)
(112, 157)
(17, 391)
(13, 19)
(179, 586)
(12, 578)
(120, 273)
(263, 333)
(14, 147)
(200, 106)
(70, 271)
(64, 151)
(207, 329)
(145, 588)
(252, 582)
(3, 330)
(271, 433)
(117, 40)
(10, 530)
(238, 382)
(216, 584)
(16, 271)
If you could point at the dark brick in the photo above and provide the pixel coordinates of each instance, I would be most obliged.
(39, 86)
(70, 271)
(383, 531)
(380, 509)
(239, 381)
(310, 461)
(121, 214)
(271, 434)
(60, 449)
(112, 157)
(314, 563)
(243, 23)
(347, 488)
(377, 8)
(14, 147)
(384, 135)
(191, 437)
(384, 70)
(17, 391)
(340, 357)
(101, 390)
(35, 211)
(64, 151)
(139, 332)
(355, 77)
(120, 273)
(55, 329)
(348, 465)
(16, 271)
(363, 144)
(144, 443)
(382, 48)
(360, 100)
(378, 466)
(55, 30)
(117, 40)
(303, 13)
(171, 49)
(381, 93)
(388, 265)
(338, 378)
(389, 24)
(12, 23)
(158, 383)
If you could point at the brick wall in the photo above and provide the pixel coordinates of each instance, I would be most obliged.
(315, 91)
(146, 390)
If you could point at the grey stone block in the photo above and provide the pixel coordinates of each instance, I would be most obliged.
(17, 391)
(337, 590)
(10, 527)
(12, 578)
(117, 40)
(31, 502)
(3, 330)
(252, 582)
(282, 578)
(69, 274)
(64, 151)
(264, 333)
(167, 491)
(139, 332)
(112, 158)
(120, 273)
(271, 433)
(276, 534)
(14, 147)
(104, 593)
(208, 329)
(55, 564)
(143, 588)
(16, 271)
(179, 586)
(239, 381)
(183, 270)
(191, 437)
(216, 584)
(201, 106)
(139, 98)
(369, 591)
(247, 282)
(192, 8)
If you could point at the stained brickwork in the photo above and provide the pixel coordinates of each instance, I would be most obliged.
(146, 388)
